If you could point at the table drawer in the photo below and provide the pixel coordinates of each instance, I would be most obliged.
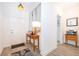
(71, 37)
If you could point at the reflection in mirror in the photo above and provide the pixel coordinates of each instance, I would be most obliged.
(35, 15)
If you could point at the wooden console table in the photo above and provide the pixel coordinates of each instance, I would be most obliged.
(72, 37)
(34, 37)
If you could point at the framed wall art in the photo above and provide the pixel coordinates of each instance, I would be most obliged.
(72, 22)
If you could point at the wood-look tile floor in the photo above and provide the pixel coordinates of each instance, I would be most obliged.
(8, 51)
(65, 50)
(61, 50)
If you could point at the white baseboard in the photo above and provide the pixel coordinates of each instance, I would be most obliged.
(45, 53)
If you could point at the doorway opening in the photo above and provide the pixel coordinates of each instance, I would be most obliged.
(58, 29)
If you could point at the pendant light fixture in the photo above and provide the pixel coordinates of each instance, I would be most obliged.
(20, 7)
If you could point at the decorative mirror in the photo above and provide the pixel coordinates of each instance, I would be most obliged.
(35, 15)
(72, 22)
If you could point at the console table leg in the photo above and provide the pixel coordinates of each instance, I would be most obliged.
(29, 40)
(26, 39)
(38, 43)
(34, 45)
(76, 43)
(66, 41)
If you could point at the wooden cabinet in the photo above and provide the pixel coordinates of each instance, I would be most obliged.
(72, 37)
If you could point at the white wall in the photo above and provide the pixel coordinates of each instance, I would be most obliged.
(59, 10)
(14, 24)
(1, 28)
(67, 10)
(48, 38)
(71, 11)
(14, 21)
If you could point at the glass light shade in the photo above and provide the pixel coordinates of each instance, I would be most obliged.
(36, 24)
(20, 7)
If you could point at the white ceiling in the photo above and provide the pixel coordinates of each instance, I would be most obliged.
(63, 7)
(66, 6)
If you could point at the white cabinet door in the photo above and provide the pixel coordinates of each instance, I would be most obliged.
(18, 30)
(15, 30)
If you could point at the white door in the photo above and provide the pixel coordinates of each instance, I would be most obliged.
(15, 30)
(18, 30)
